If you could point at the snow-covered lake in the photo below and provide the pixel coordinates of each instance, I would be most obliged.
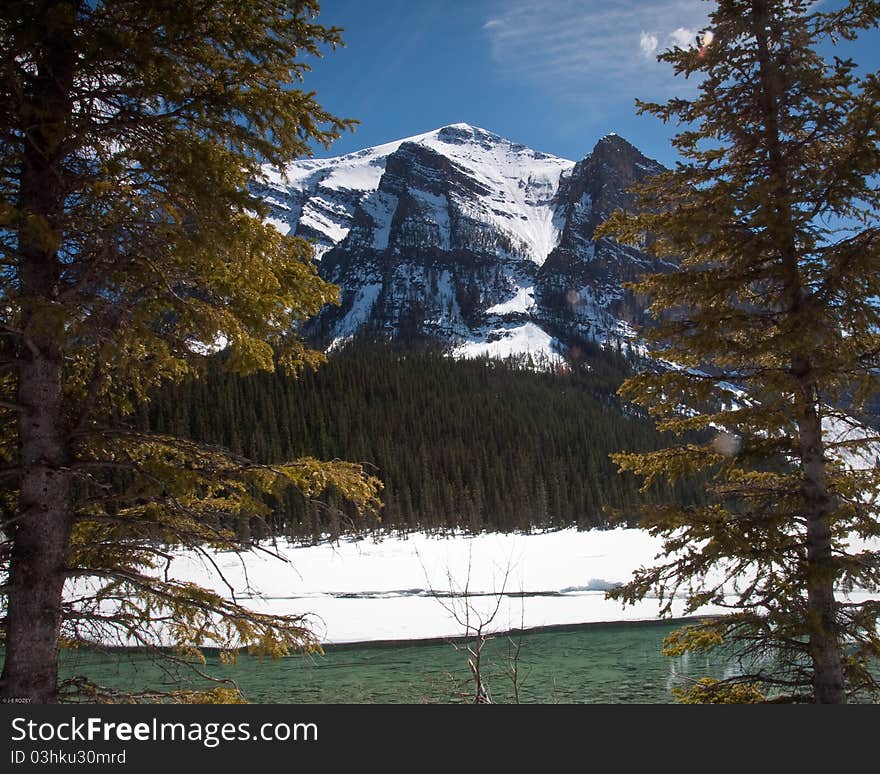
(395, 588)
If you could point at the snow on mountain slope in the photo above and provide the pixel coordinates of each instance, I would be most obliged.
(512, 340)
(522, 302)
(521, 182)
(317, 197)
(461, 236)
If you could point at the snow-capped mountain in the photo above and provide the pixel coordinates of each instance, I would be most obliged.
(465, 237)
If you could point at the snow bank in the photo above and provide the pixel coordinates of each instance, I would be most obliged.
(410, 588)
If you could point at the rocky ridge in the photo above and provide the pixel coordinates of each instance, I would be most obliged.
(464, 238)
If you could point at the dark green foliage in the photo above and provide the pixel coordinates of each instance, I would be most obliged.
(471, 444)
(773, 213)
(132, 132)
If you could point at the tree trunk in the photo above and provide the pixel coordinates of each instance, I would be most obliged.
(41, 533)
(825, 650)
(41, 538)
(821, 624)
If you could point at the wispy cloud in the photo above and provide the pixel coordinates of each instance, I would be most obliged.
(585, 50)
(648, 43)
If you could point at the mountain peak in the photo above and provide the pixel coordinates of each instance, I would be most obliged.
(621, 159)
(614, 142)
(466, 133)
(461, 125)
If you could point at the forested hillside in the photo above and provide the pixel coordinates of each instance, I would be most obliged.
(472, 444)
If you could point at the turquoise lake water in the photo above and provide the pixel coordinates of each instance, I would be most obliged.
(609, 664)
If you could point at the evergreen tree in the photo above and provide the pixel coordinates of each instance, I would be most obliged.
(492, 433)
(131, 133)
(774, 214)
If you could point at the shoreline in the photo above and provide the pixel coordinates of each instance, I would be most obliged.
(438, 640)
(543, 629)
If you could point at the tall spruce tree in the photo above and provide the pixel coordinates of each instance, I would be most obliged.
(773, 324)
(131, 245)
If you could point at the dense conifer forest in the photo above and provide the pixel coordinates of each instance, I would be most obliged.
(459, 444)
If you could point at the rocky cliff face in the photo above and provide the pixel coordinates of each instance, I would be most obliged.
(469, 239)
(580, 284)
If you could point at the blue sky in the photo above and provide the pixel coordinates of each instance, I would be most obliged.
(553, 74)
